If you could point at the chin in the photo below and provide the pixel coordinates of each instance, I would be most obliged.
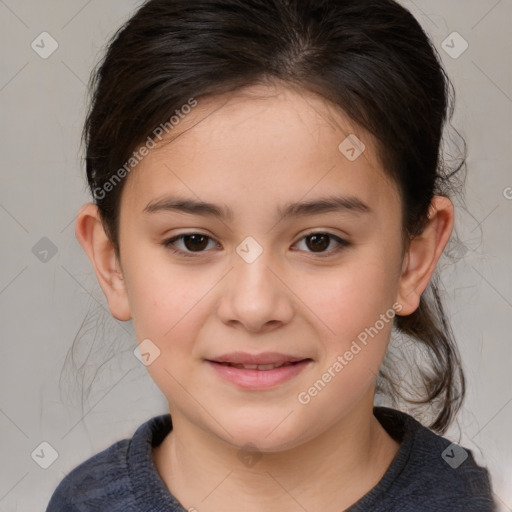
(270, 436)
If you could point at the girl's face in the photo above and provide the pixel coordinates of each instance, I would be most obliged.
(253, 279)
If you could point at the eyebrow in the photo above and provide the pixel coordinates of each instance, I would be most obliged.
(349, 204)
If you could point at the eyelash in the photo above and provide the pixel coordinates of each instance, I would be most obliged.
(168, 244)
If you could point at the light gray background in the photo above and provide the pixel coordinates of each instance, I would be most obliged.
(43, 304)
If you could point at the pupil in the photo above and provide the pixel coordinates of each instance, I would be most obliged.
(195, 238)
(316, 244)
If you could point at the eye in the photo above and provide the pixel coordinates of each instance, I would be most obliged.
(316, 243)
(319, 242)
(192, 242)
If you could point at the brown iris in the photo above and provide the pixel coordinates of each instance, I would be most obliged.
(318, 241)
(195, 242)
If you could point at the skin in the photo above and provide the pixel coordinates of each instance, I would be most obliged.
(261, 148)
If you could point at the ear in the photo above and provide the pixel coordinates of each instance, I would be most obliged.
(100, 250)
(423, 254)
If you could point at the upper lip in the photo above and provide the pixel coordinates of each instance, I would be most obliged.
(263, 358)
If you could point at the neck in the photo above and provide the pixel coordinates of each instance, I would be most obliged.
(330, 472)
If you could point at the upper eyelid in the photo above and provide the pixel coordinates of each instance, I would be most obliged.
(340, 240)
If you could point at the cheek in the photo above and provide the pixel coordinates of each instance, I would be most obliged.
(165, 303)
(158, 294)
(351, 297)
(169, 309)
(356, 305)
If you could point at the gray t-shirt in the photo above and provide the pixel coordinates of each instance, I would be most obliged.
(428, 474)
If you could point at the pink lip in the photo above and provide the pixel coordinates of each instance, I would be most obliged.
(263, 358)
(258, 379)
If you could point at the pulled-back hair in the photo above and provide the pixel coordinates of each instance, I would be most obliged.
(371, 58)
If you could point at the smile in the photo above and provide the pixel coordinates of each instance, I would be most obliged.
(257, 366)
(258, 376)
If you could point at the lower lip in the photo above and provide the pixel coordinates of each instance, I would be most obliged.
(258, 379)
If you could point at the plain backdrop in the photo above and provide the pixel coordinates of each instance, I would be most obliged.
(48, 292)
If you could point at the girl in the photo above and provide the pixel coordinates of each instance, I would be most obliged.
(269, 202)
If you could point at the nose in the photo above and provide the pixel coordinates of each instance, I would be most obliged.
(255, 296)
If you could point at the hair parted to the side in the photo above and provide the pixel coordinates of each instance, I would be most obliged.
(370, 58)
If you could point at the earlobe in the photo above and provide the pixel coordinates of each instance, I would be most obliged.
(100, 250)
(423, 254)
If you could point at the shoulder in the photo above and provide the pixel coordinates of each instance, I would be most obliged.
(101, 479)
(105, 481)
(436, 474)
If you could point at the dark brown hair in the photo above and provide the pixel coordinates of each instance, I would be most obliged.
(371, 58)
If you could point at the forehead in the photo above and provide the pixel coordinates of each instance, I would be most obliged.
(261, 142)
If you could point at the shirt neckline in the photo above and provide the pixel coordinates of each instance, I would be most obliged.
(401, 427)
(151, 493)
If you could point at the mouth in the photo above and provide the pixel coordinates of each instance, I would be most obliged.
(260, 367)
(258, 376)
